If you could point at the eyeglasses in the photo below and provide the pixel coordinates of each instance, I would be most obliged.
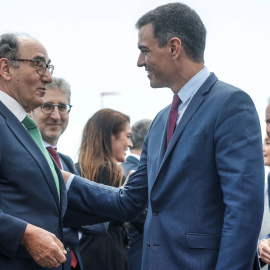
(48, 108)
(39, 65)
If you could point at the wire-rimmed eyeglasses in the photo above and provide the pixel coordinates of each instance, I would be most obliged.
(48, 108)
(40, 66)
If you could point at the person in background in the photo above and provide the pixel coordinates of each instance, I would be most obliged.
(52, 120)
(264, 244)
(139, 130)
(106, 138)
(265, 229)
(201, 172)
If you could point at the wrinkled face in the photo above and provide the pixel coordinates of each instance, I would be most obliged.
(26, 86)
(157, 61)
(267, 120)
(266, 151)
(53, 125)
(121, 143)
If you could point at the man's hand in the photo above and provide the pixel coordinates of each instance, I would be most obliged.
(66, 175)
(44, 247)
(264, 250)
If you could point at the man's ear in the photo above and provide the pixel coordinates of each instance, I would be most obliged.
(5, 69)
(175, 47)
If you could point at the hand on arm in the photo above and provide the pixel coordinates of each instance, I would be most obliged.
(264, 250)
(66, 175)
(44, 247)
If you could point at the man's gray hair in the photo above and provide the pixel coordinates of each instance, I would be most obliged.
(9, 47)
(61, 84)
(138, 133)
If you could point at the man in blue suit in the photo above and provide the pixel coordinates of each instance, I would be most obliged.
(139, 130)
(204, 185)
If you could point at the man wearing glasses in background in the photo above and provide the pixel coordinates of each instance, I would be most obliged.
(33, 197)
(52, 120)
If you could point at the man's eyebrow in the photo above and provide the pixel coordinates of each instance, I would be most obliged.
(141, 47)
(41, 58)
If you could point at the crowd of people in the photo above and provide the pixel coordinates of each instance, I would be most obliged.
(189, 196)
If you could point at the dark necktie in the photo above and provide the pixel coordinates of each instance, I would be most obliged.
(55, 155)
(172, 118)
(35, 134)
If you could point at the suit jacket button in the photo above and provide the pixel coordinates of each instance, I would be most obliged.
(155, 212)
(148, 244)
(67, 249)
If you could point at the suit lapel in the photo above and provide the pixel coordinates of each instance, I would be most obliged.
(163, 132)
(193, 106)
(30, 145)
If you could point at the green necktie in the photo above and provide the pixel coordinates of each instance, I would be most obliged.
(35, 134)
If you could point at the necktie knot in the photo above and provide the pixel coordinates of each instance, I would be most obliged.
(176, 102)
(28, 122)
(55, 155)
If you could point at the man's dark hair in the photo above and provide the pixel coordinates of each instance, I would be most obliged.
(177, 20)
(138, 133)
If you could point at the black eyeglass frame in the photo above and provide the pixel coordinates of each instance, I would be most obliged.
(46, 66)
(56, 105)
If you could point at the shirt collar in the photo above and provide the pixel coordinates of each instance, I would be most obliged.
(193, 85)
(13, 106)
(48, 145)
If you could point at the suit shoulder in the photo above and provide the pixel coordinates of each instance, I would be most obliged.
(66, 158)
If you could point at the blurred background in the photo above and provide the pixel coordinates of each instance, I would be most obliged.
(93, 45)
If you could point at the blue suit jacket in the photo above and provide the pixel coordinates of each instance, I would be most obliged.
(136, 238)
(204, 192)
(71, 238)
(28, 193)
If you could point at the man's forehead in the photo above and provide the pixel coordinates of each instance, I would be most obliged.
(33, 47)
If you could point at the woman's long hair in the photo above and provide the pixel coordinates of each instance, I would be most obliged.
(96, 146)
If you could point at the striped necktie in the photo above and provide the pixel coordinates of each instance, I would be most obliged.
(35, 134)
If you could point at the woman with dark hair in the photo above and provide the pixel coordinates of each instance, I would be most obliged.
(106, 137)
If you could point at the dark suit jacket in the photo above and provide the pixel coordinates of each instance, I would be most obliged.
(204, 192)
(136, 238)
(28, 193)
(71, 238)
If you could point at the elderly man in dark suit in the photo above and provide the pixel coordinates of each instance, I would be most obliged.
(32, 192)
(33, 197)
